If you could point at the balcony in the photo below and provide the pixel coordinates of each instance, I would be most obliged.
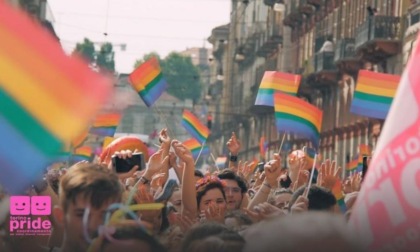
(325, 71)
(378, 38)
(345, 55)
(306, 7)
(293, 15)
(271, 41)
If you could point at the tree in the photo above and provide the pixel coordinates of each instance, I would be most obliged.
(86, 50)
(182, 76)
(105, 58)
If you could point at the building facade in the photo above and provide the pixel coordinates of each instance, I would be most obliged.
(289, 36)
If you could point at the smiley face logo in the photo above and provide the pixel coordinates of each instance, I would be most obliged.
(41, 205)
(20, 205)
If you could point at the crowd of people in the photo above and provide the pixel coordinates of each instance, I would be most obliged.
(238, 208)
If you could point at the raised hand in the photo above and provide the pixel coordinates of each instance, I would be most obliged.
(233, 145)
(157, 163)
(183, 152)
(214, 213)
(273, 171)
(355, 182)
(329, 174)
(264, 211)
(302, 180)
(124, 154)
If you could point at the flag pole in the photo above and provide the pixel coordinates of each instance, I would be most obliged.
(217, 167)
(282, 142)
(163, 117)
(311, 177)
(201, 150)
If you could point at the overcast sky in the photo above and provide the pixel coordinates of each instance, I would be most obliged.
(143, 25)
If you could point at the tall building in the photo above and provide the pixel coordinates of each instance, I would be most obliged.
(264, 37)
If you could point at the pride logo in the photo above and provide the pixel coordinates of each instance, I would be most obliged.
(25, 205)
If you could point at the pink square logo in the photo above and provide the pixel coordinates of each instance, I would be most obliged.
(20, 205)
(41, 205)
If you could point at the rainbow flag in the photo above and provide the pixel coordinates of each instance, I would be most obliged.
(194, 146)
(80, 139)
(263, 147)
(107, 141)
(194, 126)
(105, 124)
(374, 94)
(221, 162)
(83, 153)
(46, 98)
(339, 196)
(364, 151)
(273, 81)
(254, 165)
(148, 81)
(352, 165)
(295, 115)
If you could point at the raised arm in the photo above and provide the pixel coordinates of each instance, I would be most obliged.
(272, 172)
(188, 192)
(234, 147)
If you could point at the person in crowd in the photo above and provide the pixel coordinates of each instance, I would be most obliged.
(235, 189)
(85, 186)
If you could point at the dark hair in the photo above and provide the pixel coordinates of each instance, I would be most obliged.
(137, 233)
(285, 183)
(203, 190)
(219, 232)
(228, 174)
(240, 217)
(198, 173)
(319, 198)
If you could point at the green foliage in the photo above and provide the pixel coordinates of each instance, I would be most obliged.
(86, 50)
(105, 58)
(182, 76)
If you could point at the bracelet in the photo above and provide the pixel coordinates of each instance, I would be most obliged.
(144, 180)
(233, 158)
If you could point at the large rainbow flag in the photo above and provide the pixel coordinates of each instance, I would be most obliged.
(194, 146)
(83, 153)
(148, 81)
(105, 124)
(273, 81)
(194, 126)
(46, 98)
(298, 116)
(374, 94)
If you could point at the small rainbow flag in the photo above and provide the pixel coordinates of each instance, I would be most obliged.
(105, 125)
(194, 126)
(364, 151)
(352, 165)
(83, 153)
(339, 196)
(221, 162)
(276, 81)
(148, 81)
(107, 141)
(254, 165)
(374, 94)
(263, 147)
(296, 115)
(194, 146)
(46, 98)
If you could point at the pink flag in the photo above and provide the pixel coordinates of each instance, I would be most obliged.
(387, 211)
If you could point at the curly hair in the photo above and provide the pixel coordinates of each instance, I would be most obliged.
(207, 183)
